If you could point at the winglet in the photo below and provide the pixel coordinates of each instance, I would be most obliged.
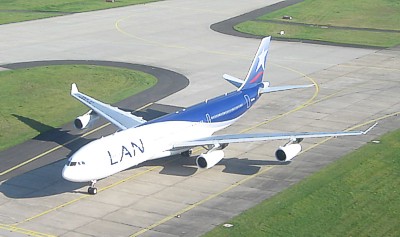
(74, 89)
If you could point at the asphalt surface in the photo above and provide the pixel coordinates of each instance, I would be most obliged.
(171, 197)
(227, 26)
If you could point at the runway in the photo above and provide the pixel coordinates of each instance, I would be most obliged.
(170, 197)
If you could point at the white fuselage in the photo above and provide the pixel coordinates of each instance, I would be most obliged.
(124, 149)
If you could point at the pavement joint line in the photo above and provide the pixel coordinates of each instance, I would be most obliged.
(153, 42)
(373, 67)
(144, 230)
(124, 180)
(24, 231)
(308, 103)
(305, 104)
(53, 209)
(53, 149)
(352, 128)
(62, 145)
(100, 190)
(136, 175)
(33, 233)
(117, 26)
(190, 9)
(192, 206)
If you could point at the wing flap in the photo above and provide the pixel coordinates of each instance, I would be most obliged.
(118, 117)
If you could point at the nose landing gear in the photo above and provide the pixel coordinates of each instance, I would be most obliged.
(92, 190)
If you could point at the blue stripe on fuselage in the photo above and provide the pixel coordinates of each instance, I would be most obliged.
(219, 109)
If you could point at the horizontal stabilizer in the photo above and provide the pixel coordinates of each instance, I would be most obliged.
(283, 88)
(233, 80)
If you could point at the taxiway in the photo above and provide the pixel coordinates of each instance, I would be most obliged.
(171, 197)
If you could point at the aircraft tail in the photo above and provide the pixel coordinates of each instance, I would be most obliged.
(256, 72)
(255, 75)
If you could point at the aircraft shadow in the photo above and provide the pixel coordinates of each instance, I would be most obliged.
(176, 165)
(156, 111)
(186, 166)
(41, 182)
(149, 114)
(48, 133)
(246, 166)
(30, 181)
(47, 180)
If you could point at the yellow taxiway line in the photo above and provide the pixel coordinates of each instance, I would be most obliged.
(267, 168)
(24, 231)
(61, 145)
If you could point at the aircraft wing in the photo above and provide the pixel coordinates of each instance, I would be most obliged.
(119, 118)
(235, 138)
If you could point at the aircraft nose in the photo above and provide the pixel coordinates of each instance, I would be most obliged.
(66, 173)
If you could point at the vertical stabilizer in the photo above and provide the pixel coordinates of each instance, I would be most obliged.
(256, 72)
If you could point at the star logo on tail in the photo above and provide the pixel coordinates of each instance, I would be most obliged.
(261, 59)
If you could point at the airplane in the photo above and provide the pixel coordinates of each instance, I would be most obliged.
(138, 140)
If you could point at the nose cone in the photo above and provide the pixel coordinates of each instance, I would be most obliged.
(67, 173)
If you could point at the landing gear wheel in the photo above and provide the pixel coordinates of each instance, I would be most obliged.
(92, 191)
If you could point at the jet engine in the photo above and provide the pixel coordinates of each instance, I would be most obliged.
(287, 152)
(86, 121)
(208, 160)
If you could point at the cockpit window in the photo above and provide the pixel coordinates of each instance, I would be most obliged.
(73, 163)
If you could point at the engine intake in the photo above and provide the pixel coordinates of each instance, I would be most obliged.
(86, 121)
(287, 152)
(208, 160)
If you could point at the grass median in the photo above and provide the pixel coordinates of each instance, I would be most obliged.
(42, 94)
(23, 10)
(366, 20)
(357, 195)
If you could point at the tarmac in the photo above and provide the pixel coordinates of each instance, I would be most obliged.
(171, 197)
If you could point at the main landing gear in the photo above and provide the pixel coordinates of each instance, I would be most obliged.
(187, 153)
(92, 190)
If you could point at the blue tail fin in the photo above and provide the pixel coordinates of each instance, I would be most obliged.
(256, 72)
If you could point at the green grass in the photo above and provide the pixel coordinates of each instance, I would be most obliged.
(42, 94)
(375, 14)
(357, 195)
(366, 38)
(10, 17)
(55, 6)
